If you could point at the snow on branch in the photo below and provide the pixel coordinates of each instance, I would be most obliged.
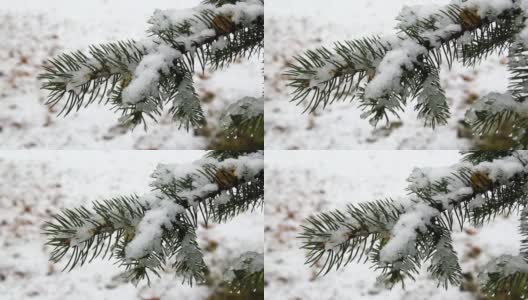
(383, 72)
(144, 232)
(245, 115)
(188, 186)
(138, 77)
(398, 234)
(435, 191)
(246, 272)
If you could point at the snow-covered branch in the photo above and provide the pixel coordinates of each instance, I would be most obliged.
(144, 232)
(139, 77)
(397, 235)
(385, 72)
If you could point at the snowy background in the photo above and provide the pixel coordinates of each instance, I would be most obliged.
(294, 26)
(296, 190)
(33, 31)
(36, 184)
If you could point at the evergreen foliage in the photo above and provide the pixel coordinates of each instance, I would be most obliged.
(385, 73)
(146, 234)
(140, 78)
(399, 236)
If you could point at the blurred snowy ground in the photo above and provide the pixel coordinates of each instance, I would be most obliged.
(294, 26)
(36, 184)
(33, 31)
(296, 190)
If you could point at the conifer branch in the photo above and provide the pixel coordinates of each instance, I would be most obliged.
(246, 274)
(139, 77)
(144, 233)
(385, 73)
(506, 275)
(398, 236)
(244, 117)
